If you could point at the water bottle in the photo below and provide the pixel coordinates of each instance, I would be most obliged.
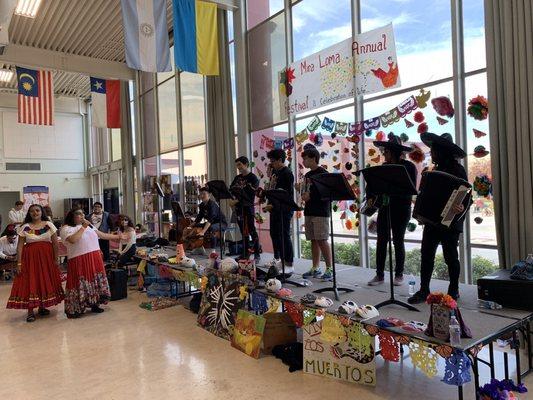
(412, 283)
(455, 331)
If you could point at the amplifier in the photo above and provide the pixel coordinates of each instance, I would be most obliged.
(510, 293)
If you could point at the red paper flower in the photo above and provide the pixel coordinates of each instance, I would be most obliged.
(442, 299)
(417, 155)
(353, 207)
(349, 224)
(443, 106)
(422, 128)
(419, 117)
(478, 108)
(380, 136)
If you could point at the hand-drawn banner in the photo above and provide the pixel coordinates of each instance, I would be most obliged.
(336, 360)
(367, 64)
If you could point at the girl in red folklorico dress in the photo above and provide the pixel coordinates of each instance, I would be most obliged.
(87, 285)
(38, 281)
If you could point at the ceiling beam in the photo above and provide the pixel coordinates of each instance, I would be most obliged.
(230, 5)
(38, 58)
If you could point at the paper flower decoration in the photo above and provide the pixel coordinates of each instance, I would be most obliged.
(478, 108)
(442, 299)
(380, 136)
(419, 117)
(417, 155)
(483, 185)
(404, 138)
(353, 207)
(349, 224)
(480, 151)
(408, 124)
(331, 143)
(478, 133)
(411, 226)
(333, 135)
(255, 154)
(443, 106)
(312, 136)
(500, 390)
(348, 166)
(371, 152)
(478, 220)
(368, 133)
(423, 127)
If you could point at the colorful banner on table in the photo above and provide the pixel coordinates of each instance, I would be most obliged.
(146, 35)
(105, 96)
(196, 33)
(337, 360)
(35, 96)
(367, 64)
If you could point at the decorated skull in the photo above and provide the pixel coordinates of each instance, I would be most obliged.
(187, 262)
(228, 265)
(273, 285)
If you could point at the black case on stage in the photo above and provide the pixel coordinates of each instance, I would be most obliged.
(118, 283)
(510, 293)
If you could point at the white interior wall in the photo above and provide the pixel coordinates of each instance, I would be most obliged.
(60, 150)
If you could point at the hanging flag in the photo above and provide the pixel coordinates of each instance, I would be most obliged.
(105, 95)
(146, 35)
(35, 97)
(196, 36)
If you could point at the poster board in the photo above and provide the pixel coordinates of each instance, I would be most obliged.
(336, 360)
(35, 195)
(248, 333)
(363, 65)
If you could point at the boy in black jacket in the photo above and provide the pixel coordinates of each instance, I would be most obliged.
(283, 178)
(243, 187)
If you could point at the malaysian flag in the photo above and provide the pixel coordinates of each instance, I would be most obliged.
(36, 97)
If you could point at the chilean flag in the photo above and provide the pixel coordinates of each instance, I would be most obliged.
(105, 95)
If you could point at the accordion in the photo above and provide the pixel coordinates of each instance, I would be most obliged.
(439, 193)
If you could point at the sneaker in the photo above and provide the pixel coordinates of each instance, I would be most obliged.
(418, 297)
(289, 270)
(327, 276)
(398, 280)
(312, 273)
(273, 263)
(377, 280)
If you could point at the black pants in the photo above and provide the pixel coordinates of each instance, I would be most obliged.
(127, 257)
(104, 246)
(400, 215)
(246, 222)
(431, 238)
(281, 238)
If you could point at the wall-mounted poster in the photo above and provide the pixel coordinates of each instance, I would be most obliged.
(36, 195)
(362, 65)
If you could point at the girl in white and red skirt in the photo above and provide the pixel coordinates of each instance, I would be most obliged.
(87, 285)
(38, 282)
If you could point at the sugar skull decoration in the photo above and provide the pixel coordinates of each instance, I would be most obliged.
(273, 285)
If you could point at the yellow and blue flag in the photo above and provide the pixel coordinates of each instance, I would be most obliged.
(196, 36)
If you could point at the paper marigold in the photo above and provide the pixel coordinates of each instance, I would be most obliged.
(419, 117)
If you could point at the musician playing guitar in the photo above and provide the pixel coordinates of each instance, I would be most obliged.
(400, 209)
(445, 155)
(244, 186)
(282, 178)
(210, 213)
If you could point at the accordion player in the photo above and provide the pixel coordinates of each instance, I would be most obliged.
(439, 192)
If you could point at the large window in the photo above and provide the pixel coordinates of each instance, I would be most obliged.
(192, 108)
(168, 123)
(116, 144)
(424, 45)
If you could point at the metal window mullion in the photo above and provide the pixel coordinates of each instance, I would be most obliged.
(139, 150)
(359, 116)
(181, 185)
(460, 123)
(291, 122)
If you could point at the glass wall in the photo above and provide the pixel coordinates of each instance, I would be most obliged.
(173, 137)
(424, 45)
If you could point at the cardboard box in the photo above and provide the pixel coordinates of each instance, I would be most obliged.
(279, 329)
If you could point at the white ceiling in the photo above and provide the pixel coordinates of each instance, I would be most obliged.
(90, 28)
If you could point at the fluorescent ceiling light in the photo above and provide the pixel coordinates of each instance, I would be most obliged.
(27, 8)
(6, 75)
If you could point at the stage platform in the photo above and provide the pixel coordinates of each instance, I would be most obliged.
(486, 325)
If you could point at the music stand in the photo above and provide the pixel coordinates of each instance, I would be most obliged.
(389, 180)
(220, 191)
(239, 195)
(283, 199)
(333, 187)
